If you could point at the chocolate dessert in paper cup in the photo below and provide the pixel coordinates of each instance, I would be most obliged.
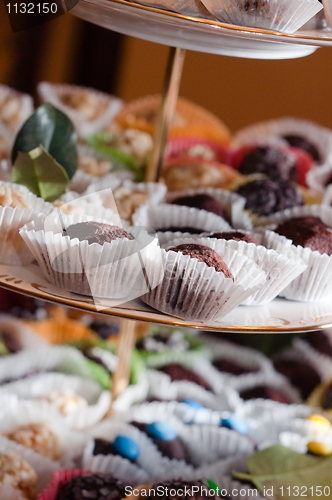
(314, 284)
(18, 206)
(277, 15)
(187, 7)
(288, 131)
(166, 217)
(230, 204)
(90, 110)
(280, 269)
(81, 402)
(73, 258)
(192, 290)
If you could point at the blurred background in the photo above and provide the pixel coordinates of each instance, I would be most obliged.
(239, 91)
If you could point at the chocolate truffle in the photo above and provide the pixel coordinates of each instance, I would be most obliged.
(231, 367)
(96, 232)
(124, 446)
(263, 391)
(267, 196)
(204, 254)
(165, 438)
(92, 487)
(319, 341)
(179, 372)
(301, 375)
(234, 235)
(296, 141)
(270, 161)
(105, 330)
(309, 232)
(183, 229)
(203, 202)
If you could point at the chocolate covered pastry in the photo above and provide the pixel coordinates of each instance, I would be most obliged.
(309, 232)
(92, 487)
(270, 161)
(204, 254)
(96, 232)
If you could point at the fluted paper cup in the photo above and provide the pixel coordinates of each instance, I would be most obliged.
(128, 473)
(165, 215)
(112, 270)
(192, 290)
(60, 477)
(314, 284)
(321, 362)
(105, 106)
(40, 386)
(278, 15)
(280, 270)
(232, 202)
(13, 250)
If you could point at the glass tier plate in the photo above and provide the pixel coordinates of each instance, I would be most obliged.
(199, 34)
(280, 316)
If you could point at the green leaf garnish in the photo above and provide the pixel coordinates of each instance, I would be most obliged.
(101, 143)
(40, 173)
(286, 473)
(52, 129)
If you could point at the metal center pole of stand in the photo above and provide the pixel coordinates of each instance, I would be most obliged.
(166, 112)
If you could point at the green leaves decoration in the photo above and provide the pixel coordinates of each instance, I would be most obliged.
(286, 474)
(44, 155)
(101, 142)
(40, 173)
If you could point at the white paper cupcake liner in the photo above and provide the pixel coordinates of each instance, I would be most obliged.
(149, 459)
(328, 12)
(192, 290)
(16, 413)
(187, 7)
(246, 357)
(314, 284)
(279, 269)
(13, 250)
(112, 270)
(40, 385)
(109, 181)
(53, 93)
(278, 15)
(165, 215)
(43, 466)
(327, 198)
(18, 330)
(133, 394)
(273, 130)
(318, 177)
(191, 360)
(232, 202)
(44, 358)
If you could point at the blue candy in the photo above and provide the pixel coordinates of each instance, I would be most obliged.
(195, 405)
(161, 430)
(126, 447)
(232, 422)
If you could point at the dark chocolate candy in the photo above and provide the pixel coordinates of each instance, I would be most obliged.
(96, 232)
(319, 341)
(270, 161)
(303, 376)
(263, 391)
(204, 254)
(267, 196)
(296, 141)
(327, 398)
(309, 232)
(229, 366)
(203, 202)
(179, 372)
(234, 235)
(92, 487)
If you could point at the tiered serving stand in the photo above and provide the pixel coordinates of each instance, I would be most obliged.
(180, 33)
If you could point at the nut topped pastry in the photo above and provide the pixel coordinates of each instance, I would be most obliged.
(16, 472)
(37, 437)
(12, 197)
